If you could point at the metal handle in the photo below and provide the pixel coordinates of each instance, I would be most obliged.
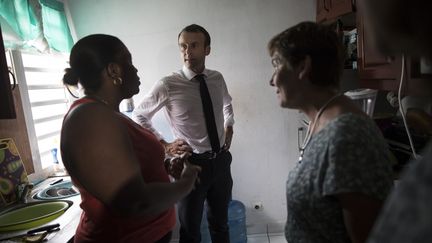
(13, 78)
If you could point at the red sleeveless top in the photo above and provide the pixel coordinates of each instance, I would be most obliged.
(99, 224)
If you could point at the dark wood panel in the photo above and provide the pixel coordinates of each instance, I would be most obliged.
(16, 129)
(7, 109)
(322, 10)
(340, 7)
(330, 10)
(375, 70)
(371, 63)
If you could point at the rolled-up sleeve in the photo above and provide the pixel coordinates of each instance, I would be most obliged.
(152, 103)
(227, 107)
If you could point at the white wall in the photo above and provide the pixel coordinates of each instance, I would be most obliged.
(265, 136)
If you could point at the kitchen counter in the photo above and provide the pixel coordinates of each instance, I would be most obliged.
(68, 221)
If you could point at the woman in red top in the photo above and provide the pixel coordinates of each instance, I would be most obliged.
(116, 164)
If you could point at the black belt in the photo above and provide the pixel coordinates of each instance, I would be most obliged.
(206, 155)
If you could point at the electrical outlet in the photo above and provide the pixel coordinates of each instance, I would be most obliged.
(257, 206)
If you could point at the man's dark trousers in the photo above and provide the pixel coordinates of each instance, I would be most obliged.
(215, 186)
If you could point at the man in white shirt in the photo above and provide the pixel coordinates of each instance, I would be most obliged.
(203, 134)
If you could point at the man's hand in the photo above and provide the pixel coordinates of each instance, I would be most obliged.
(177, 148)
(228, 138)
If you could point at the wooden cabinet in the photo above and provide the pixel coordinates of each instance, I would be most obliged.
(7, 108)
(331, 9)
(375, 70)
(322, 10)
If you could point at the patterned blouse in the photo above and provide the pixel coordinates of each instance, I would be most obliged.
(348, 155)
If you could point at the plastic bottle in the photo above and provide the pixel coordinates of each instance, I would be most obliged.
(236, 223)
(59, 169)
(55, 159)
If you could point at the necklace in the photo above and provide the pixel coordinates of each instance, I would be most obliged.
(97, 98)
(310, 129)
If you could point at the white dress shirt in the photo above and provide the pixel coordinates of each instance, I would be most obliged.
(179, 94)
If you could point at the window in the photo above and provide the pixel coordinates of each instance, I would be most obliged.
(32, 28)
(45, 102)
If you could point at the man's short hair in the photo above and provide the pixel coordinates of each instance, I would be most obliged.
(197, 29)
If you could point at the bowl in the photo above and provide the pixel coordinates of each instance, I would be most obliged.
(30, 215)
(58, 191)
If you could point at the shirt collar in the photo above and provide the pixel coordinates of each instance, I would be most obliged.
(189, 74)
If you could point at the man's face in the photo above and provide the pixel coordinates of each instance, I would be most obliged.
(193, 50)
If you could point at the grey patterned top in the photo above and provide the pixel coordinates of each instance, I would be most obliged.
(348, 155)
(407, 215)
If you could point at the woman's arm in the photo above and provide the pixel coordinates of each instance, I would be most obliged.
(360, 212)
(99, 154)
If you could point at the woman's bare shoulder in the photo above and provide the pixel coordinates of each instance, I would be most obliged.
(91, 120)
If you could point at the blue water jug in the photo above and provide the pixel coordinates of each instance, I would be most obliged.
(236, 223)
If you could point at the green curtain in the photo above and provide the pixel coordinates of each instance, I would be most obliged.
(55, 26)
(40, 24)
(21, 19)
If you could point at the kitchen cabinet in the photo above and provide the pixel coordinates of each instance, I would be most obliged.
(322, 10)
(375, 70)
(331, 9)
(7, 108)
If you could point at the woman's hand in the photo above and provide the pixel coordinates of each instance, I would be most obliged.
(190, 172)
(175, 167)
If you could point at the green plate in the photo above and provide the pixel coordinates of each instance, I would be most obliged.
(31, 215)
